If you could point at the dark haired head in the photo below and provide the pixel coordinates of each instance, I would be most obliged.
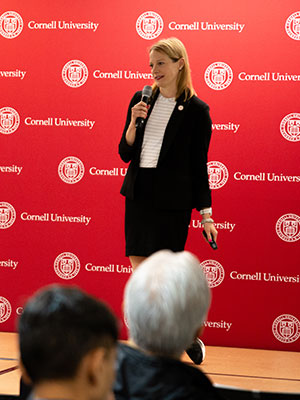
(58, 327)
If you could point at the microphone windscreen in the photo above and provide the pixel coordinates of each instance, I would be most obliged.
(147, 91)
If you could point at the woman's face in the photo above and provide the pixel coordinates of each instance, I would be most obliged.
(164, 70)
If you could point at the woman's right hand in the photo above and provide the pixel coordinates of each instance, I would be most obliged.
(139, 110)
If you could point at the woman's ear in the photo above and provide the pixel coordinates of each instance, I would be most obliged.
(181, 63)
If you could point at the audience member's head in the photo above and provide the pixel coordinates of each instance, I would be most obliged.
(68, 343)
(166, 301)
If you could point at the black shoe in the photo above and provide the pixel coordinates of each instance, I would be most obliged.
(196, 351)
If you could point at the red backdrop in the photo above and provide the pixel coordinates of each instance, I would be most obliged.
(67, 72)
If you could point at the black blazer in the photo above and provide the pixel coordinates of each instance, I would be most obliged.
(181, 180)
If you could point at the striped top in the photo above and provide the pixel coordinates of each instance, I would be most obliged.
(155, 130)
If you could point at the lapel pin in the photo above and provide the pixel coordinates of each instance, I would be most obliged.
(180, 108)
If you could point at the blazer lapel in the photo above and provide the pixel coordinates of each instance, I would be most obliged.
(151, 103)
(173, 126)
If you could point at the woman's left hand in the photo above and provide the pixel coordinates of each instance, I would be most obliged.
(211, 231)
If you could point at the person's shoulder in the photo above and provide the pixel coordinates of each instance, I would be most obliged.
(196, 379)
(136, 98)
(198, 103)
(128, 352)
(138, 94)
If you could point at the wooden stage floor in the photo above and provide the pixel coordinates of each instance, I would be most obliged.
(263, 370)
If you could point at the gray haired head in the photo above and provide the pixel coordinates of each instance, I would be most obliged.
(166, 301)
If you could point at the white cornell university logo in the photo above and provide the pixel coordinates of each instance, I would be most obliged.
(290, 127)
(292, 26)
(214, 272)
(71, 170)
(149, 25)
(9, 120)
(66, 265)
(75, 73)
(218, 174)
(218, 76)
(288, 227)
(286, 328)
(7, 215)
(11, 24)
(5, 309)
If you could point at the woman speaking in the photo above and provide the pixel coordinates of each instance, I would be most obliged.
(167, 176)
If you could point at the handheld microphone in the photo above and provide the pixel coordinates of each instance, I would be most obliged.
(146, 94)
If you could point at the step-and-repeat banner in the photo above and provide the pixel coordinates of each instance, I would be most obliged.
(67, 73)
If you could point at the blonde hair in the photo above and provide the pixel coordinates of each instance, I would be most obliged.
(175, 50)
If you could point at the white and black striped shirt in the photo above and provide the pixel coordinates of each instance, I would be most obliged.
(155, 130)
